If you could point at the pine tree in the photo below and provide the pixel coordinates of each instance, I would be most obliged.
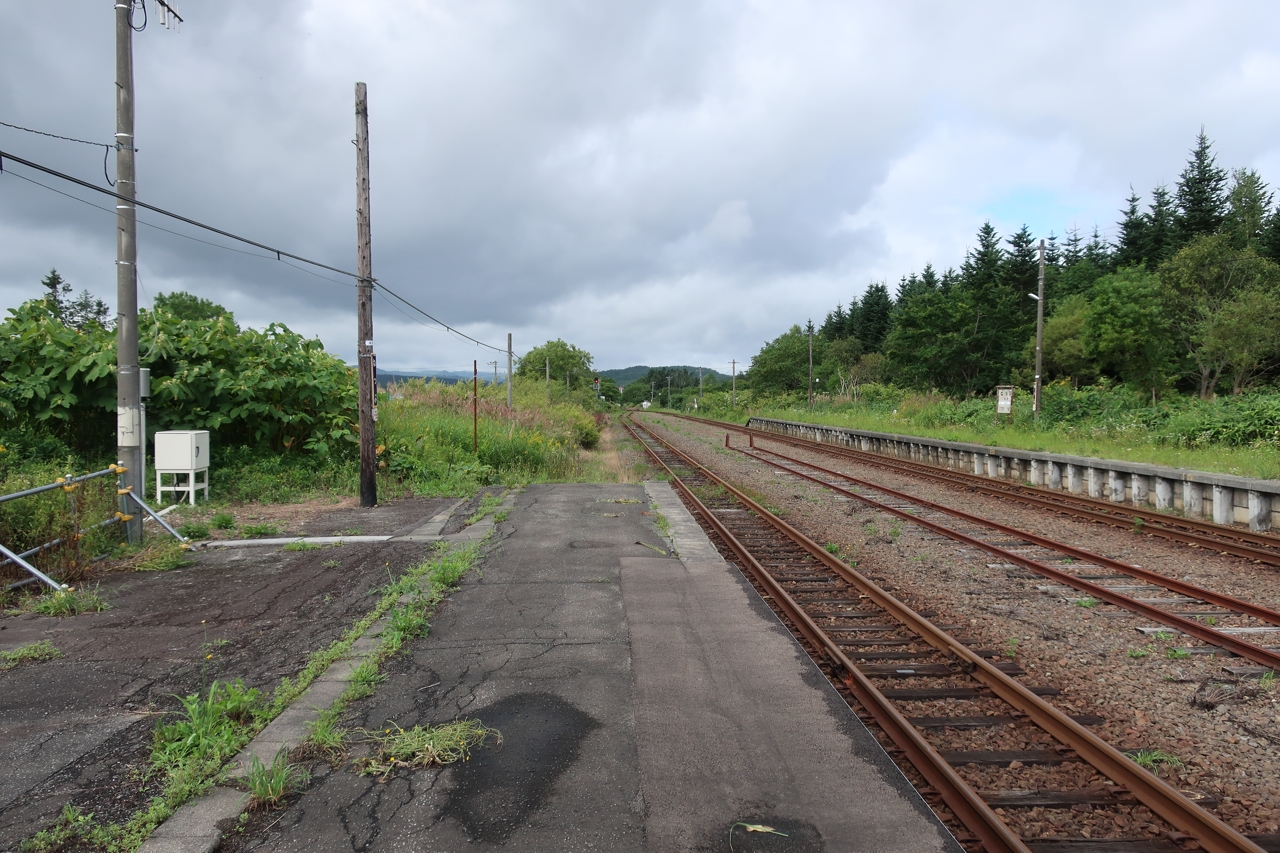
(1073, 251)
(874, 317)
(1201, 200)
(1098, 251)
(1160, 227)
(833, 326)
(1131, 248)
(1052, 253)
(76, 313)
(1247, 206)
(929, 278)
(1020, 272)
(58, 291)
(1269, 240)
(853, 320)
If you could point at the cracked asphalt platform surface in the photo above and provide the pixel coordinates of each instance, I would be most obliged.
(645, 702)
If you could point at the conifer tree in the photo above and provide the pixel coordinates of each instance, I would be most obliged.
(1131, 248)
(1269, 240)
(1098, 251)
(1073, 250)
(833, 326)
(1248, 204)
(874, 317)
(1160, 228)
(1200, 194)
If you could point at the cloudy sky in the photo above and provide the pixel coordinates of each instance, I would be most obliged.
(657, 182)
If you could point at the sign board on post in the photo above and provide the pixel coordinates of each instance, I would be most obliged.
(1004, 399)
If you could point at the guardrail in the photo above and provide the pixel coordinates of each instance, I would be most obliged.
(70, 484)
(1223, 498)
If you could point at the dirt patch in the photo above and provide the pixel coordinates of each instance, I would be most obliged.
(78, 729)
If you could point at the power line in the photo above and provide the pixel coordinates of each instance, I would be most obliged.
(277, 252)
(280, 255)
(106, 149)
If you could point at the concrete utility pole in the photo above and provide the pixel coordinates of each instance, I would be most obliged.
(651, 384)
(508, 370)
(130, 442)
(548, 378)
(699, 383)
(364, 305)
(734, 394)
(668, 390)
(495, 370)
(1039, 335)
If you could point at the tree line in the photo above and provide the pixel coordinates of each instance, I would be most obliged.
(1186, 297)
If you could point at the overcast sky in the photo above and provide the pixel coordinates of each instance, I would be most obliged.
(657, 182)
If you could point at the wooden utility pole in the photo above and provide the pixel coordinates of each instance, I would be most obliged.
(508, 370)
(364, 306)
(130, 442)
(734, 397)
(548, 379)
(1039, 335)
(811, 365)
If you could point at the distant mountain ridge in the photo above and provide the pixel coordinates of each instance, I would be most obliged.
(626, 375)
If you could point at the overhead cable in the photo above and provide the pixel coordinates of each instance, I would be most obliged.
(280, 255)
(106, 148)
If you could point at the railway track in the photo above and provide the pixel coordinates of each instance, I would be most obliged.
(1196, 533)
(908, 674)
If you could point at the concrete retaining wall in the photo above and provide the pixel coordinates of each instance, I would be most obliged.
(1222, 498)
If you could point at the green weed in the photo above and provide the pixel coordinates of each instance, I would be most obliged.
(1011, 647)
(67, 602)
(30, 653)
(425, 746)
(164, 556)
(269, 784)
(194, 530)
(1151, 759)
(1088, 602)
(215, 726)
(487, 504)
(331, 564)
(1138, 653)
(832, 548)
(254, 531)
(1177, 654)
(1268, 680)
(301, 546)
(222, 521)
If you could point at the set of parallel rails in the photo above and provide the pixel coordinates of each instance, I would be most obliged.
(803, 582)
(1226, 539)
(979, 535)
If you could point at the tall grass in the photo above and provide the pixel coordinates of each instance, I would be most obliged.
(1234, 435)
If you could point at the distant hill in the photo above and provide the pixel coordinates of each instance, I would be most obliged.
(448, 377)
(625, 375)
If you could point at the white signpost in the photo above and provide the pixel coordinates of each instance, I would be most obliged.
(1004, 400)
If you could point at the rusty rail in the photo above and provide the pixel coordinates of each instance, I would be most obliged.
(1163, 799)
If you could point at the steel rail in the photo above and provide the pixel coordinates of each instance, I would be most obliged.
(966, 803)
(1196, 533)
(1156, 794)
(1245, 649)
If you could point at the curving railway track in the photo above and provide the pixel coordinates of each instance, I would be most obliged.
(1196, 533)
(910, 675)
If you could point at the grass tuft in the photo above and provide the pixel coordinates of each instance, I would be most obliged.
(30, 653)
(424, 746)
(268, 784)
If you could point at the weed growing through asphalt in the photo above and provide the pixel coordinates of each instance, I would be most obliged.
(268, 784)
(222, 521)
(425, 746)
(501, 517)
(325, 737)
(215, 727)
(664, 526)
(618, 501)
(30, 653)
(487, 504)
(331, 564)
(67, 602)
(194, 530)
(1152, 759)
(266, 528)
(364, 678)
(164, 556)
(192, 776)
(1177, 654)
(301, 546)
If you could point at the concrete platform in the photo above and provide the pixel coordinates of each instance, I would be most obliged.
(645, 702)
